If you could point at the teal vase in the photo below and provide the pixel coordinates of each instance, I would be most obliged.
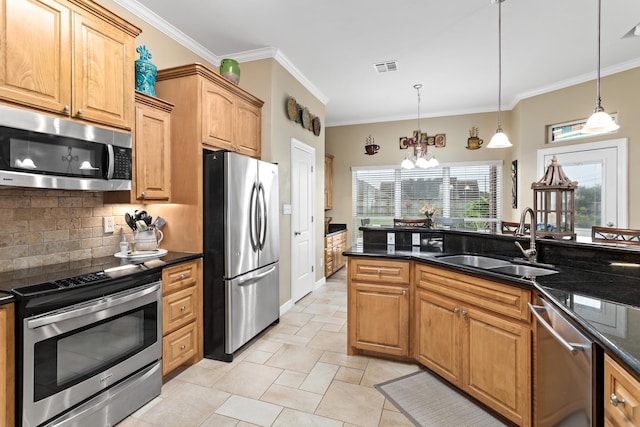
(145, 72)
(230, 70)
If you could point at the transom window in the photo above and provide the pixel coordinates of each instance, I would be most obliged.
(467, 195)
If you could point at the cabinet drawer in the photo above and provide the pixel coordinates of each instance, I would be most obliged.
(502, 299)
(179, 277)
(619, 385)
(178, 309)
(328, 242)
(178, 347)
(379, 271)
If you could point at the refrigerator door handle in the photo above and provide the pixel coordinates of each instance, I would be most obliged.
(253, 205)
(263, 221)
(255, 278)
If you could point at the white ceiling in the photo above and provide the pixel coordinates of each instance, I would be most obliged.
(451, 47)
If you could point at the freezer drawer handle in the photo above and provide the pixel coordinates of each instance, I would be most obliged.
(255, 278)
(572, 347)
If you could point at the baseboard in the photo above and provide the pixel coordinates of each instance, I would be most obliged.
(286, 307)
(320, 283)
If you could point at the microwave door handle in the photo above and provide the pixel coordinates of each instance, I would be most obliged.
(573, 348)
(92, 307)
(110, 161)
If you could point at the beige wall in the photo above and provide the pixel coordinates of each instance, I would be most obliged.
(526, 126)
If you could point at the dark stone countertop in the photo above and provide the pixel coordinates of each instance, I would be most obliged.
(6, 298)
(36, 275)
(335, 228)
(605, 305)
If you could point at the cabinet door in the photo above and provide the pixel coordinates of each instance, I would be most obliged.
(328, 182)
(621, 395)
(35, 54)
(153, 153)
(380, 318)
(437, 335)
(217, 116)
(496, 364)
(248, 133)
(7, 365)
(103, 73)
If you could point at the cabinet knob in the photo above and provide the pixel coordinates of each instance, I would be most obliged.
(143, 194)
(80, 112)
(66, 109)
(182, 347)
(378, 271)
(613, 399)
(464, 312)
(456, 310)
(404, 292)
(183, 308)
(182, 276)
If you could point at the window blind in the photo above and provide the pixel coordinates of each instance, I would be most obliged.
(466, 195)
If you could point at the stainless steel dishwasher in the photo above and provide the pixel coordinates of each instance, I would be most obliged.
(568, 372)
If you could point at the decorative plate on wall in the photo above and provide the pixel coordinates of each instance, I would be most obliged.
(306, 119)
(316, 126)
(292, 108)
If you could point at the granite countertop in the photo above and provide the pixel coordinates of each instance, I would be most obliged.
(35, 275)
(335, 228)
(604, 305)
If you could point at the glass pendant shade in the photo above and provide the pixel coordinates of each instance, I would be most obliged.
(433, 163)
(421, 162)
(407, 164)
(600, 122)
(420, 157)
(499, 140)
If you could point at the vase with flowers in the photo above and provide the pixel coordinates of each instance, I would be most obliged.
(428, 211)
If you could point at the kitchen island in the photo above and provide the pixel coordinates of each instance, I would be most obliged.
(463, 299)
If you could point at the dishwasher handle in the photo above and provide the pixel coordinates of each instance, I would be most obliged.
(573, 348)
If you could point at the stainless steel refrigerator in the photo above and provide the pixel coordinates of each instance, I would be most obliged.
(241, 250)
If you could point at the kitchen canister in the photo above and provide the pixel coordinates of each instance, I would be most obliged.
(230, 70)
(145, 72)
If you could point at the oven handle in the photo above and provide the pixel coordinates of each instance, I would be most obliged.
(106, 303)
(571, 347)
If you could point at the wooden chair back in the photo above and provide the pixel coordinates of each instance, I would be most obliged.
(508, 227)
(615, 235)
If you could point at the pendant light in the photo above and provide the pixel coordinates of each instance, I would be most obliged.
(426, 160)
(600, 121)
(500, 139)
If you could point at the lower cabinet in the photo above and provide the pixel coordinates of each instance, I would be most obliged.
(483, 352)
(7, 365)
(334, 246)
(378, 306)
(181, 318)
(621, 395)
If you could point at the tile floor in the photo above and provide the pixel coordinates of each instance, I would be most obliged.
(297, 373)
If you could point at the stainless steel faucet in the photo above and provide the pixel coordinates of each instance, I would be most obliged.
(531, 253)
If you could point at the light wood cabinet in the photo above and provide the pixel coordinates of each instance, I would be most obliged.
(68, 57)
(334, 246)
(226, 116)
(7, 365)
(181, 315)
(328, 182)
(378, 306)
(621, 396)
(476, 334)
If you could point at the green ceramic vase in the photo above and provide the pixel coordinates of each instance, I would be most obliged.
(230, 69)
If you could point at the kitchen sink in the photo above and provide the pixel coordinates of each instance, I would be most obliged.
(475, 261)
(523, 270)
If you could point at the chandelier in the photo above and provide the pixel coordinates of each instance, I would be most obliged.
(423, 158)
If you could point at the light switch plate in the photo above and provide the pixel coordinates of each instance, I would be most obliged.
(415, 239)
(286, 209)
(391, 238)
(108, 224)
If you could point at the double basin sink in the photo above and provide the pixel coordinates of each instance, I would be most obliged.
(498, 265)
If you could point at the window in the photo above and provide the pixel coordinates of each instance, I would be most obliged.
(601, 171)
(468, 192)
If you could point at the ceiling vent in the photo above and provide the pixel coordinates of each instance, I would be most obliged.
(385, 66)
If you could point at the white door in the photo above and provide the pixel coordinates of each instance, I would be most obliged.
(302, 208)
(601, 171)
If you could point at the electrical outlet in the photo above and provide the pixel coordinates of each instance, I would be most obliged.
(108, 224)
(391, 238)
(415, 239)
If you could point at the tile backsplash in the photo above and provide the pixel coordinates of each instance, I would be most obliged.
(44, 227)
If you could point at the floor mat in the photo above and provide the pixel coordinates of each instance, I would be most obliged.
(428, 402)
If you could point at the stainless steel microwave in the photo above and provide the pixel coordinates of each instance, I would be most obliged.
(41, 151)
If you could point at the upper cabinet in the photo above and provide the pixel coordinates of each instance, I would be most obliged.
(73, 58)
(328, 182)
(225, 116)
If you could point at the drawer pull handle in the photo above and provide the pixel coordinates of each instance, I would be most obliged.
(613, 399)
(182, 276)
(456, 310)
(183, 308)
(378, 272)
(182, 347)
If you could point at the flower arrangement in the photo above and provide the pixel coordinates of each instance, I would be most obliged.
(428, 210)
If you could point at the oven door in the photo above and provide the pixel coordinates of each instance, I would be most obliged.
(74, 353)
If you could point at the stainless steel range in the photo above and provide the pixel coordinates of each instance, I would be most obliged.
(88, 347)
